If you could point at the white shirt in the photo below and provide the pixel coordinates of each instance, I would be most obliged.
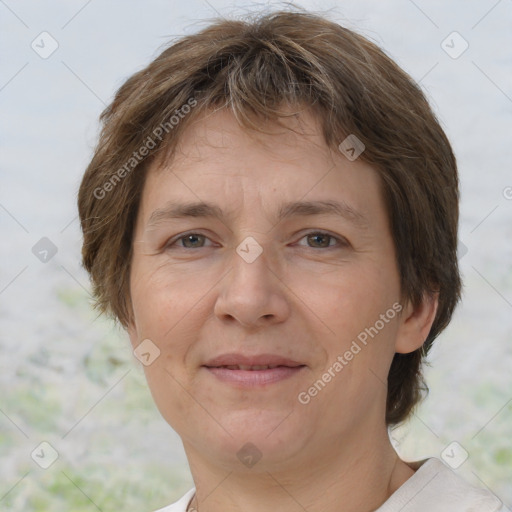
(434, 487)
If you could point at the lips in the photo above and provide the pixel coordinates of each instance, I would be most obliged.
(246, 367)
(234, 361)
(246, 372)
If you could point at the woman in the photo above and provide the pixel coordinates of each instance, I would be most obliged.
(271, 213)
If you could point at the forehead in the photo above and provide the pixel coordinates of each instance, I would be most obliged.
(218, 159)
(219, 131)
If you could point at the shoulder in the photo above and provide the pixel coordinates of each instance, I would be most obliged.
(434, 486)
(180, 505)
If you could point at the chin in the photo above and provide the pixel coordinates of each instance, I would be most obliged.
(258, 438)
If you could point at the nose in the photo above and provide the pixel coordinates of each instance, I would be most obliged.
(252, 293)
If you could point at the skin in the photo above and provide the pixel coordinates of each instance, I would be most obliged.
(305, 297)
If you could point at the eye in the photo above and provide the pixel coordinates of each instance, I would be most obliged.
(322, 240)
(188, 241)
(318, 239)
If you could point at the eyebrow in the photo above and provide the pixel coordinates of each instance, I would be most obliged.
(200, 209)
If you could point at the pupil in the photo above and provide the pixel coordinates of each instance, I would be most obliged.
(192, 238)
(316, 237)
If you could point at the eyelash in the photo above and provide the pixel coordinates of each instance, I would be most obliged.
(340, 241)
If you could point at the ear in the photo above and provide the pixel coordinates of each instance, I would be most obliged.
(415, 323)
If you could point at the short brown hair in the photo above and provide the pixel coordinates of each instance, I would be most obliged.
(254, 68)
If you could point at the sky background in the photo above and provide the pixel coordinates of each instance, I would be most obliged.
(62, 368)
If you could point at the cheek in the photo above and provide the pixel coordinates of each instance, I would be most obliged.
(351, 307)
(354, 298)
(156, 301)
(169, 309)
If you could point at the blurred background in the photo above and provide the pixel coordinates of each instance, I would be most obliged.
(69, 379)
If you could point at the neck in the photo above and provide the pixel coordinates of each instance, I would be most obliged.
(360, 477)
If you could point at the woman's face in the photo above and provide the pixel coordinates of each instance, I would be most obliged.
(267, 274)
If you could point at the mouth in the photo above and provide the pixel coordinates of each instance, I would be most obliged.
(253, 371)
(254, 368)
